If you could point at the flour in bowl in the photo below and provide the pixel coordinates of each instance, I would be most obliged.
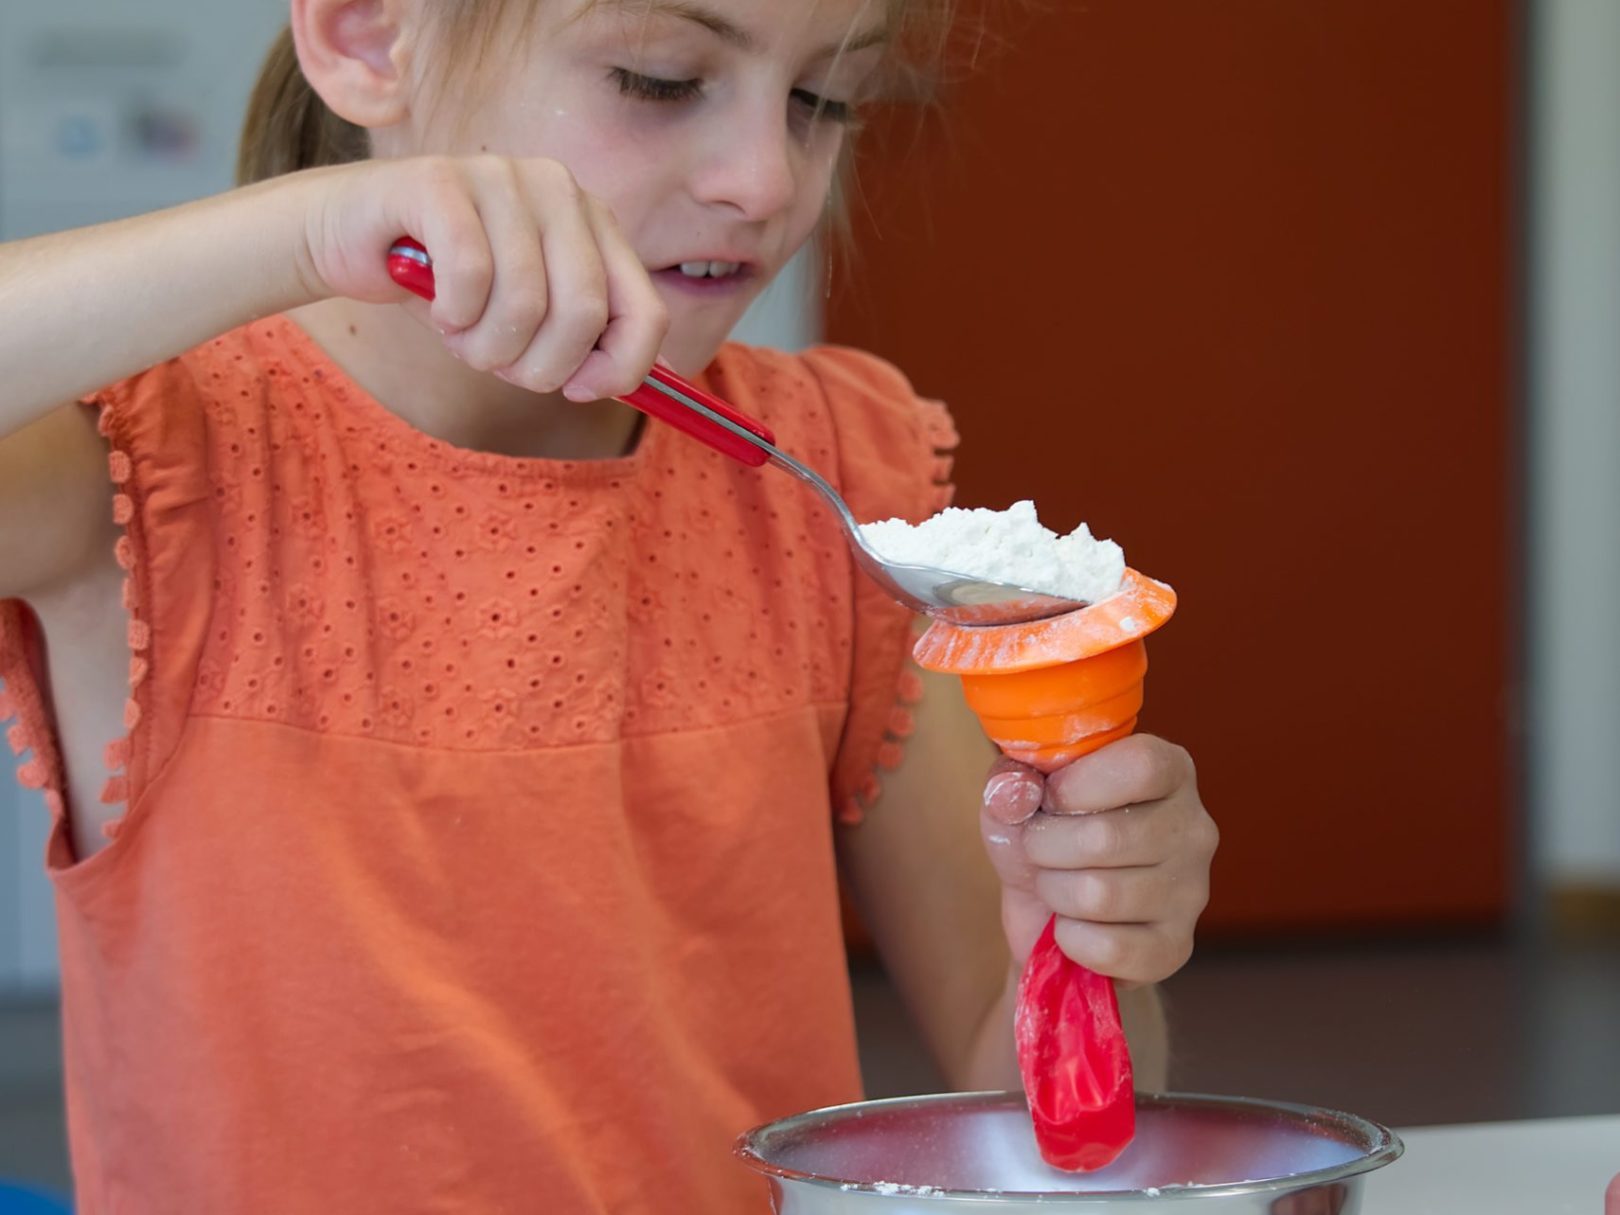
(1005, 546)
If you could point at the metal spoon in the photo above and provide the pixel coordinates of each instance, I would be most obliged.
(943, 594)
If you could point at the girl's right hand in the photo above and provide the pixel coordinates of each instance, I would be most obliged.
(534, 281)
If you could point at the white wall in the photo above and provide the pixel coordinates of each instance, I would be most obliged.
(1575, 439)
(788, 314)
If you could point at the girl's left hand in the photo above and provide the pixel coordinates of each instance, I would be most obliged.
(1117, 845)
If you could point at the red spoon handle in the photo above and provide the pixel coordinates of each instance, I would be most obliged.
(659, 395)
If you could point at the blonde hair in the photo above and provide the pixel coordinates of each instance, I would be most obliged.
(288, 127)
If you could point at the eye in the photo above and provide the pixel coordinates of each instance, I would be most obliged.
(653, 88)
(824, 107)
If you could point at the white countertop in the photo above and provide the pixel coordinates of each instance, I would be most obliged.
(1552, 1166)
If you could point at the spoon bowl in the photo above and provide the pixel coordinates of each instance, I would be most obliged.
(942, 594)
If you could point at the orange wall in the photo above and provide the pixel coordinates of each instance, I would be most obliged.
(1229, 281)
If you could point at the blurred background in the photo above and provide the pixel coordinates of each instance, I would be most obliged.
(1316, 309)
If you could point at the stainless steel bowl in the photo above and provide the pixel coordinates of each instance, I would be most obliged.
(954, 1153)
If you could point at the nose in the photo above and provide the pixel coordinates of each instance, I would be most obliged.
(751, 165)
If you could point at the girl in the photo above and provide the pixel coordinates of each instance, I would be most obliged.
(470, 839)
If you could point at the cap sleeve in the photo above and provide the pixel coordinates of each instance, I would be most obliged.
(154, 425)
(894, 453)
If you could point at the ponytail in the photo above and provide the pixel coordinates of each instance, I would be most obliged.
(288, 126)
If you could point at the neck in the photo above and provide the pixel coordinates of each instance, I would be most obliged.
(410, 372)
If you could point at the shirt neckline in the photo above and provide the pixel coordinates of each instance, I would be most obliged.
(373, 414)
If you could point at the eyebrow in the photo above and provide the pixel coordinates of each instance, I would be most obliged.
(733, 34)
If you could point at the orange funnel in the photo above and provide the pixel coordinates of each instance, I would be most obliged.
(1050, 691)
(1047, 693)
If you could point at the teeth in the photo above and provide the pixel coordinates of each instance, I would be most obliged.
(709, 269)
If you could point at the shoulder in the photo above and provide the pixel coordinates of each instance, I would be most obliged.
(163, 414)
(208, 408)
(147, 431)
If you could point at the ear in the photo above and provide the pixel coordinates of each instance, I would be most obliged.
(354, 54)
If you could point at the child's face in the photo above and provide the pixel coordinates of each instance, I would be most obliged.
(697, 123)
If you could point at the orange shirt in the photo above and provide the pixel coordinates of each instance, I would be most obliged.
(478, 845)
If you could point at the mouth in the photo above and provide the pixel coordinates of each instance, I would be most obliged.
(709, 276)
(707, 269)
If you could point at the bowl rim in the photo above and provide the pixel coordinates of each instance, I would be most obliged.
(1382, 1146)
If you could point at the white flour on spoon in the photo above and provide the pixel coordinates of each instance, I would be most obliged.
(1005, 546)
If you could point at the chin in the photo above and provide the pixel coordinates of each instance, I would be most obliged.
(690, 355)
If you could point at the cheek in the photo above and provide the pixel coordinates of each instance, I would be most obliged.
(805, 217)
(609, 160)
(817, 180)
(620, 174)
(805, 213)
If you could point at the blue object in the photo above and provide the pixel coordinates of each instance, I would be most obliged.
(77, 137)
(19, 1200)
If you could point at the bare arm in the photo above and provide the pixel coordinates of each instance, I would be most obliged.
(85, 308)
(932, 902)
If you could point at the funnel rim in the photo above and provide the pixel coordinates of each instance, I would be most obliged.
(1139, 607)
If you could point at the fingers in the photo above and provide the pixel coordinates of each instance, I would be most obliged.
(534, 281)
(463, 264)
(1131, 953)
(1004, 843)
(1012, 791)
(637, 319)
(1115, 839)
(1115, 896)
(575, 284)
(518, 297)
(1120, 852)
(1137, 769)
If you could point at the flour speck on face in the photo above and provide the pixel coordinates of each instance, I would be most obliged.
(1005, 546)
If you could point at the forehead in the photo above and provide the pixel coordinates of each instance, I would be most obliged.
(755, 26)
